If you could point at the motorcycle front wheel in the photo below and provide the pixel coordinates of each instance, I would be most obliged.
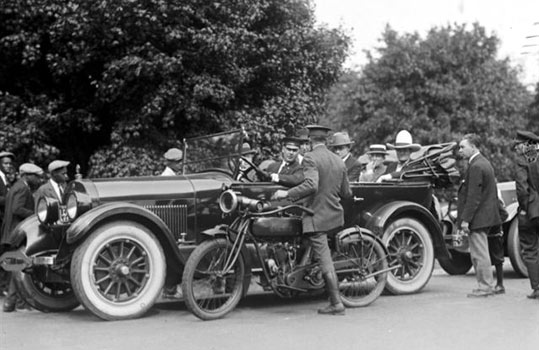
(209, 291)
(362, 269)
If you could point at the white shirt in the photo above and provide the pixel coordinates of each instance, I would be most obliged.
(3, 177)
(56, 187)
(472, 157)
(168, 172)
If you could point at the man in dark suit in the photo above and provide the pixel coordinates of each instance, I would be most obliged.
(19, 206)
(325, 183)
(289, 171)
(6, 169)
(55, 187)
(477, 210)
(527, 183)
(341, 144)
(404, 147)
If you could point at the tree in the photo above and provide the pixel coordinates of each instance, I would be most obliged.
(116, 83)
(441, 87)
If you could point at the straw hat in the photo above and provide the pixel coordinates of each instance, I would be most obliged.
(377, 149)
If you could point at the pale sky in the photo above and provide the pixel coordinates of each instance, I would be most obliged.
(511, 20)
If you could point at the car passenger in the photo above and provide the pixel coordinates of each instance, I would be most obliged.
(288, 172)
(341, 144)
(404, 148)
(375, 167)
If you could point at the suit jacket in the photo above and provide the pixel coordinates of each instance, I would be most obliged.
(3, 192)
(353, 168)
(19, 206)
(47, 190)
(325, 183)
(290, 175)
(478, 196)
(527, 182)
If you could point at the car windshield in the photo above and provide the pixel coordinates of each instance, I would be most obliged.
(221, 151)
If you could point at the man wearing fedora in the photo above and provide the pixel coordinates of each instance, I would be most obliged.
(19, 206)
(325, 183)
(404, 147)
(305, 144)
(173, 162)
(289, 171)
(375, 167)
(527, 184)
(55, 186)
(341, 144)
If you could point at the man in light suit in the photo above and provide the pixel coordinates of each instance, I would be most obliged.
(478, 211)
(288, 172)
(325, 183)
(55, 187)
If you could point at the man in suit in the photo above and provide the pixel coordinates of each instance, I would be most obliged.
(527, 184)
(477, 211)
(55, 187)
(341, 144)
(288, 172)
(375, 167)
(19, 206)
(6, 169)
(404, 147)
(325, 183)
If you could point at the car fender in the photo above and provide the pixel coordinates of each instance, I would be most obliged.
(380, 218)
(108, 212)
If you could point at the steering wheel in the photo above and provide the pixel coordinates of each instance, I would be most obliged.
(244, 173)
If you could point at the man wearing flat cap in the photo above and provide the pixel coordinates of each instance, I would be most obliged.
(325, 183)
(55, 186)
(173, 161)
(527, 185)
(404, 148)
(19, 206)
(341, 144)
(288, 172)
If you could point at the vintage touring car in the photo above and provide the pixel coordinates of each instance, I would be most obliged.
(116, 242)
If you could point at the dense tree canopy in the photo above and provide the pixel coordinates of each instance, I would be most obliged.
(112, 84)
(439, 88)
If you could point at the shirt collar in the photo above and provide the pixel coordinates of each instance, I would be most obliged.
(472, 157)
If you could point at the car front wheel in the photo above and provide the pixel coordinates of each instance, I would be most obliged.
(410, 248)
(514, 250)
(118, 272)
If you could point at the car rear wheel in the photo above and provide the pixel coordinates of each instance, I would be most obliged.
(514, 251)
(409, 246)
(119, 271)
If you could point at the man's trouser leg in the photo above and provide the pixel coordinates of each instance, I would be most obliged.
(529, 244)
(481, 260)
(321, 250)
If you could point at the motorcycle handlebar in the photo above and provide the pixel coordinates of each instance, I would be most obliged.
(271, 210)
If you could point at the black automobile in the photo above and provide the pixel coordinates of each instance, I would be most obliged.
(117, 242)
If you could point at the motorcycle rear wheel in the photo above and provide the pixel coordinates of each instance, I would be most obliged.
(208, 293)
(361, 281)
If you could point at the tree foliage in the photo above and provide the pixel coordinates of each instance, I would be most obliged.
(439, 88)
(112, 84)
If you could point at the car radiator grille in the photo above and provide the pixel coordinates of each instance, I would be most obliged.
(175, 216)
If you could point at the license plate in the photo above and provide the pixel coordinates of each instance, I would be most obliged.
(63, 214)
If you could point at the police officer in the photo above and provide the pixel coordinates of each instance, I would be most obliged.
(325, 183)
(527, 183)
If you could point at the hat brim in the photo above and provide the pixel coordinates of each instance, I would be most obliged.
(414, 147)
(378, 152)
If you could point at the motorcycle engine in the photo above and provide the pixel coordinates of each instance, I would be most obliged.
(281, 259)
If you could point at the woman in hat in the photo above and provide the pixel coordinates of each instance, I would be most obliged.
(375, 167)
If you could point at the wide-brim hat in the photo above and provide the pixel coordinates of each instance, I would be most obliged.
(246, 149)
(57, 164)
(377, 149)
(404, 141)
(174, 154)
(318, 130)
(341, 139)
(29, 168)
(6, 154)
(525, 136)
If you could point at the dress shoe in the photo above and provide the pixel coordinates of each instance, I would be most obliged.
(9, 305)
(480, 293)
(499, 289)
(337, 309)
(534, 295)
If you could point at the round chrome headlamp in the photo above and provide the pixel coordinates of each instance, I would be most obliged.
(72, 206)
(228, 201)
(77, 203)
(47, 210)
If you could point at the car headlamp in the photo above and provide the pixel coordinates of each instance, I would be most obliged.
(47, 210)
(76, 204)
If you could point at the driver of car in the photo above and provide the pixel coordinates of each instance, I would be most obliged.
(173, 161)
(288, 172)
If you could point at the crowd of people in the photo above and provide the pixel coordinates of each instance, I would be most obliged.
(317, 169)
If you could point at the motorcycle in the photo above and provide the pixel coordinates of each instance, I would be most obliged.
(214, 277)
